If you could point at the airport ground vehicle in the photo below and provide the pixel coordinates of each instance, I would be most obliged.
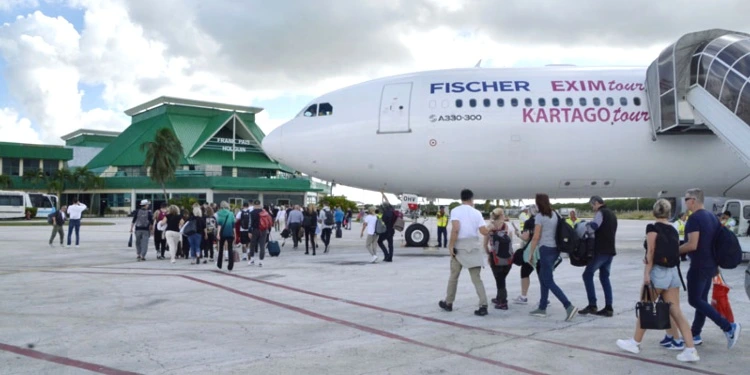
(740, 210)
(13, 204)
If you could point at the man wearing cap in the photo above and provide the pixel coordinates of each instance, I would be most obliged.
(143, 222)
(604, 229)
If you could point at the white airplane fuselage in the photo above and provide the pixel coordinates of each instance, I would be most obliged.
(409, 134)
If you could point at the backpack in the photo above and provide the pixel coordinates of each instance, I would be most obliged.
(565, 236)
(309, 220)
(329, 218)
(142, 217)
(502, 244)
(211, 224)
(664, 250)
(380, 227)
(726, 250)
(266, 222)
(190, 228)
(50, 216)
(245, 219)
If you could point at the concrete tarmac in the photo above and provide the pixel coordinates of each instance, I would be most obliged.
(94, 309)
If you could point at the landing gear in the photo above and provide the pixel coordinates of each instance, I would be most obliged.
(417, 235)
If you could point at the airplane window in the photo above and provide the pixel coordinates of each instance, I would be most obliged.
(527, 102)
(556, 102)
(610, 102)
(325, 109)
(433, 103)
(637, 101)
(445, 104)
(597, 102)
(569, 102)
(472, 103)
(459, 103)
(501, 102)
(487, 102)
(582, 101)
(623, 101)
(311, 111)
(514, 102)
(542, 102)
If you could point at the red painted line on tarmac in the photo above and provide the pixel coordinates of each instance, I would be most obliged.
(64, 361)
(468, 327)
(363, 328)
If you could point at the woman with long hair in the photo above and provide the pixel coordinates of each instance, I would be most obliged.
(662, 238)
(498, 245)
(310, 223)
(210, 237)
(545, 228)
(198, 230)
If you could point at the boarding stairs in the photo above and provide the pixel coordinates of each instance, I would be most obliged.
(700, 84)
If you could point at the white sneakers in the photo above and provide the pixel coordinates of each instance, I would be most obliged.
(374, 259)
(251, 262)
(630, 345)
(521, 300)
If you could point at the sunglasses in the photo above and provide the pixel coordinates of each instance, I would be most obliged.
(689, 198)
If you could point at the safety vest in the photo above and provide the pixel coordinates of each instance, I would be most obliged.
(680, 228)
(572, 223)
(442, 221)
(522, 219)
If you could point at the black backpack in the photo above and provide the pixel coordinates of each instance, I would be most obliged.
(245, 219)
(50, 216)
(584, 252)
(329, 218)
(667, 247)
(726, 249)
(501, 243)
(565, 236)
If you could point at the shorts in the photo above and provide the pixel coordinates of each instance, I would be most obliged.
(665, 278)
(245, 237)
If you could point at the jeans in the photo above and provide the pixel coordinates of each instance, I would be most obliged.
(547, 258)
(258, 243)
(325, 235)
(442, 234)
(387, 236)
(74, 224)
(698, 284)
(195, 245)
(601, 263)
(141, 241)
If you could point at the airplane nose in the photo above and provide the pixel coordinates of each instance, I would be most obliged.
(272, 144)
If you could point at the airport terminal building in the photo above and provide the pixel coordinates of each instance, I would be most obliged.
(222, 159)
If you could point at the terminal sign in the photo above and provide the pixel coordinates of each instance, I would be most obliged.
(228, 144)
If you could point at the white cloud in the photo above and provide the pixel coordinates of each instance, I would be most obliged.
(6, 5)
(15, 129)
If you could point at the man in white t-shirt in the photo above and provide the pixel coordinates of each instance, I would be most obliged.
(369, 223)
(467, 224)
(281, 219)
(75, 211)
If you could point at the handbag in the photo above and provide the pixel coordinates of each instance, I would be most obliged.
(130, 241)
(653, 314)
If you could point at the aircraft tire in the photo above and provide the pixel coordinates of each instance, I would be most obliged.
(417, 235)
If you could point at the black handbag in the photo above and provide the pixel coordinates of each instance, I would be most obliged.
(652, 314)
(130, 241)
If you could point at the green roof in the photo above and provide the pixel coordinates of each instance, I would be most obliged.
(90, 140)
(21, 150)
(194, 127)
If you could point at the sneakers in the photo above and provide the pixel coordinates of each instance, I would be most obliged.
(374, 259)
(697, 340)
(250, 262)
(539, 313)
(629, 345)
(590, 309)
(445, 306)
(688, 355)
(666, 341)
(605, 312)
(481, 312)
(572, 311)
(501, 306)
(521, 300)
(733, 335)
(675, 345)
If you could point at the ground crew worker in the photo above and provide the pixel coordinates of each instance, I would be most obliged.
(680, 226)
(523, 217)
(572, 219)
(442, 227)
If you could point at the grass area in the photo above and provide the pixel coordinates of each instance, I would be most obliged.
(44, 224)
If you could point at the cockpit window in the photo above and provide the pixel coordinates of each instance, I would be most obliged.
(311, 111)
(325, 109)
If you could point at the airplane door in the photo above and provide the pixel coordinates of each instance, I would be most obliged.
(394, 108)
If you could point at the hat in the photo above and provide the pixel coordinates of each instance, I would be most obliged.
(144, 202)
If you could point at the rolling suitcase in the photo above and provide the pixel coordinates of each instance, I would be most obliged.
(273, 248)
(338, 233)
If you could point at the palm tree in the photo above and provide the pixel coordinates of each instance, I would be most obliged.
(5, 182)
(84, 180)
(35, 177)
(163, 156)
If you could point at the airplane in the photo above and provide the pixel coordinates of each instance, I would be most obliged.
(570, 132)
